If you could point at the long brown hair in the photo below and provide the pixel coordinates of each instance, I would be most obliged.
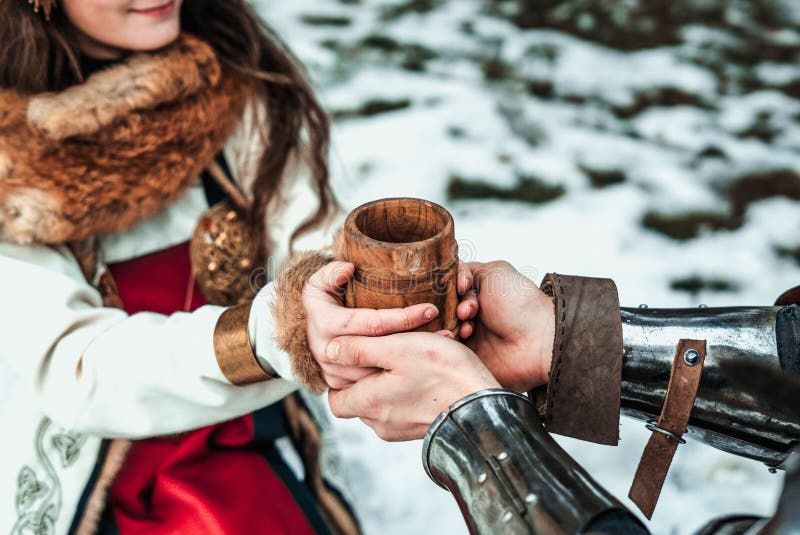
(38, 55)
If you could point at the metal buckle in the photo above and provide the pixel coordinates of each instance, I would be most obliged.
(652, 425)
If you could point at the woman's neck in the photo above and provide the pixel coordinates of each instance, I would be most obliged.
(94, 49)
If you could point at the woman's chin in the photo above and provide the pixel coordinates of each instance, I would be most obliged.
(152, 40)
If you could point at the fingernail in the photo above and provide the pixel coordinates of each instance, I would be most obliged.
(431, 313)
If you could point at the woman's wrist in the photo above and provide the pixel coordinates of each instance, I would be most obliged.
(234, 350)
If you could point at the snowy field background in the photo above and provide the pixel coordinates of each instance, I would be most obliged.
(657, 143)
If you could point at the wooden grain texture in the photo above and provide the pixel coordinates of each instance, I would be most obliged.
(405, 253)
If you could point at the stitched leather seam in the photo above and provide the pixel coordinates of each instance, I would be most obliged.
(560, 295)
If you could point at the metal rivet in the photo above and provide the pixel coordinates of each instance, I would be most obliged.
(503, 456)
(703, 306)
(482, 477)
(508, 516)
(643, 306)
(691, 357)
(531, 499)
(772, 470)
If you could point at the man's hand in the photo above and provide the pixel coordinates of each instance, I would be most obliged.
(514, 330)
(421, 375)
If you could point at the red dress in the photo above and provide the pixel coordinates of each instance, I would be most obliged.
(210, 480)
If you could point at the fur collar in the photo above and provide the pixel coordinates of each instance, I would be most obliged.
(118, 148)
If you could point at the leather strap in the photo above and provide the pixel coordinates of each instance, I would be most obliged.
(681, 392)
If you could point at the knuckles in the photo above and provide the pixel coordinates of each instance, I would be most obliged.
(355, 353)
(375, 325)
(372, 406)
(345, 323)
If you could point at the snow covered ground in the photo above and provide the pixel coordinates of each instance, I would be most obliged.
(660, 149)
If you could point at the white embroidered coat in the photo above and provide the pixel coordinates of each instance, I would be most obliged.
(140, 375)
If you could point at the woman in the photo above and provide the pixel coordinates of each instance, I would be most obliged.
(157, 161)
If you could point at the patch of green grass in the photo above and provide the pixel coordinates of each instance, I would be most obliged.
(331, 44)
(753, 187)
(686, 226)
(415, 57)
(371, 108)
(408, 6)
(761, 128)
(695, 284)
(659, 97)
(495, 69)
(325, 20)
(541, 88)
(712, 152)
(741, 193)
(602, 178)
(792, 253)
(456, 132)
(380, 42)
(528, 189)
(410, 56)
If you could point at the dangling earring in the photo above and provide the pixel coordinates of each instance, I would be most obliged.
(45, 5)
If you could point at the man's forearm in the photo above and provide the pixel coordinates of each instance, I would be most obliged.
(591, 338)
(724, 414)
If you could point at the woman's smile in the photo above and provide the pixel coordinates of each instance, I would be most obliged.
(160, 10)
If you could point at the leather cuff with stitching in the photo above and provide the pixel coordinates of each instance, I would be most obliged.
(582, 397)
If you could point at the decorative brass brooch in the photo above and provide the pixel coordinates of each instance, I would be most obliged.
(223, 249)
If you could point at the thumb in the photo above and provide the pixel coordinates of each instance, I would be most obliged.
(362, 400)
(446, 334)
(327, 282)
(340, 403)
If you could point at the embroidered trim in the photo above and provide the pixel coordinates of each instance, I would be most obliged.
(38, 501)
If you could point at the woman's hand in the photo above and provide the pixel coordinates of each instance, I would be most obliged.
(420, 375)
(513, 335)
(327, 318)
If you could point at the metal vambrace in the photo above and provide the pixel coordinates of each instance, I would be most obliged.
(725, 415)
(507, 474)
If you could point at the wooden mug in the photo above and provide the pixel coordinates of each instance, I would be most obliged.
(405, 252)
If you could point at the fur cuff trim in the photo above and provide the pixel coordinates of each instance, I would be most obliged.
(290, 317)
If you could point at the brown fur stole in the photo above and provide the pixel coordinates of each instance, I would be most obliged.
(120, 147)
